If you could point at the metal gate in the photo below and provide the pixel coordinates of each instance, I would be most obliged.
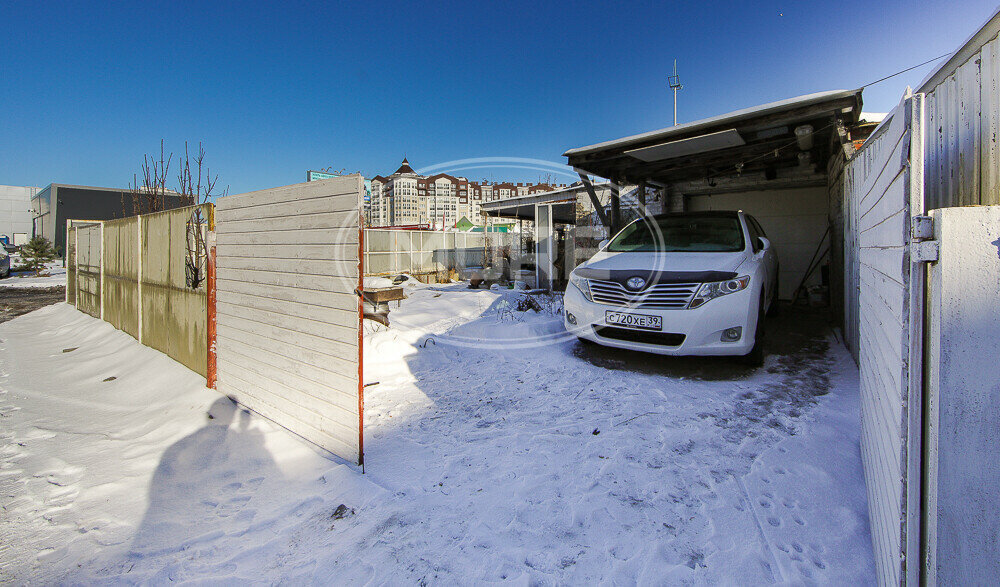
(287, 316)
(85, 266)
(884, 191)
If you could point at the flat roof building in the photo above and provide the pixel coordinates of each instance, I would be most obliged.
(55, 204)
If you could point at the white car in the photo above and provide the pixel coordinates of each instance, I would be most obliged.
(694, 283)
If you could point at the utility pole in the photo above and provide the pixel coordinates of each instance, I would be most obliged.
(674, 81)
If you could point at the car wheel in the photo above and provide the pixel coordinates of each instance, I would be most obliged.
(755, 358)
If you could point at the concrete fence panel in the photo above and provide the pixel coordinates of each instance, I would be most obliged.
(70, 264)
(962, 421)
(121, 275)
(174, 311)
(134, 273)
(88, 269)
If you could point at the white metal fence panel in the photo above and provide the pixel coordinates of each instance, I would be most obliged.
(963, 109)
(287, 312)
(879, 216)
(390, 251)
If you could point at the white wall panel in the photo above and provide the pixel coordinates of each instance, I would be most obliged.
(795, 220)
(879, 189)
(288, 318)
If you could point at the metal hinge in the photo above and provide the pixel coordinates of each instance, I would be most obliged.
(923, 251)
(922, 228)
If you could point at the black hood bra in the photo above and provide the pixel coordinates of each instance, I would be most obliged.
(654, 277)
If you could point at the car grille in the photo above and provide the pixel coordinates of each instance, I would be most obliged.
(640, 336)
(664, 296)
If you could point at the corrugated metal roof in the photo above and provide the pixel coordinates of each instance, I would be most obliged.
(730, 118)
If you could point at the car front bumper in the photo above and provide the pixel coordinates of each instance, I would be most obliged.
(701, 327)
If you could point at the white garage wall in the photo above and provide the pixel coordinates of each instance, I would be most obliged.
(15, 210)
(794, 220)
(288, 318)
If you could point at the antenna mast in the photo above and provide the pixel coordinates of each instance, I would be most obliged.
(674, 81)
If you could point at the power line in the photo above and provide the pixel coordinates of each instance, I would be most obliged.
(739, 166)
(905, 70)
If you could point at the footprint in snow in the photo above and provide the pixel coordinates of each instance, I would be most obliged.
(232, 506)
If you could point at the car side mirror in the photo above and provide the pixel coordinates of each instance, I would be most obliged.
(762, 243)
(604, 243)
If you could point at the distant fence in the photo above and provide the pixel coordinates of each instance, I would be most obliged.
(145, 275)
(427, 252)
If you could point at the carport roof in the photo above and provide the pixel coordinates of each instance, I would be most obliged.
(523, 207)
(761, 137)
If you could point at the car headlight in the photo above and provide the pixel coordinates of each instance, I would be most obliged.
(717, 289)
(581, 284)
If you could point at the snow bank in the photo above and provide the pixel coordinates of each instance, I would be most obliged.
(118, 464)
(495, 451)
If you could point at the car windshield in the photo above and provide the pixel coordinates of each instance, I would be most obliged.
(688, 232)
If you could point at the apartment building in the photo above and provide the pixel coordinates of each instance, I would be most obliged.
(436, 201)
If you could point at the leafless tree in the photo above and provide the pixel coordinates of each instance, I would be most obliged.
(149, 195)
(196, 185)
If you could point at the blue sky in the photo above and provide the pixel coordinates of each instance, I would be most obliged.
(275, 89)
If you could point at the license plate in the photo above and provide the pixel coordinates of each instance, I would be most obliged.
(642, 321)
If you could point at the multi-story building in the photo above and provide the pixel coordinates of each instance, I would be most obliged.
(436, 201)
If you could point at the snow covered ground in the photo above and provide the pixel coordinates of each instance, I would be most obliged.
(496, 452)
(53, 275)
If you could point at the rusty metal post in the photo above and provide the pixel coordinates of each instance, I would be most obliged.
(211, 373)
(361, 333)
